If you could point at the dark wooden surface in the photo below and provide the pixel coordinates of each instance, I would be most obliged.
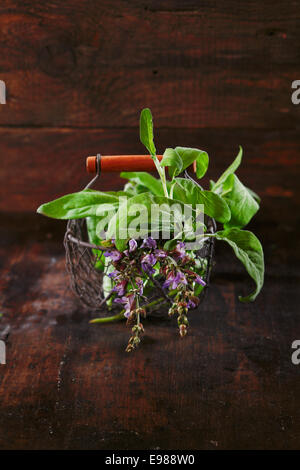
(197, 64)
(40, 165)
(230, 384)
(216, 75)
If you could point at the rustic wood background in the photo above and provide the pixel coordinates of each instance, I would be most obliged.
(216, 75)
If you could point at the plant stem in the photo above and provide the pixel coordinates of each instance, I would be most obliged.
(120, 316)
(162, 174)
(112, 319)
(164, 182)
(171, 190)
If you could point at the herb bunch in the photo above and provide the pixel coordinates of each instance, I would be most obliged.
(133, 266)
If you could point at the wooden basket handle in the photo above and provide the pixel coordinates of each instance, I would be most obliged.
(117, 163)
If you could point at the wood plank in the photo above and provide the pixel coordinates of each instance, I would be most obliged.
(215, 76)
(229, 384)
(41, 164)
(84, 64)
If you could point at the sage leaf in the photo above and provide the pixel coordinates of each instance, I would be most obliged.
(119, 193)
(189, 193)
(248, 250)
(186, 156)
(91, 225)
(173, 161)
(107, 282)
(241, 203)
(254, 195)
(79, 205)
(122, 222)
(144, 179)
(146, 131)
(202, 162)
(171, 244)
(231, 169)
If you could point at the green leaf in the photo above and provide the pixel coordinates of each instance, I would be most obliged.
(202, 162)
(146, 180)
(132, 189)
(189, 193)
(242, 205)
(249, 251)
(119, 193)
(198, 289)
(231, 169)
(187, 156)
(91, 224)
(146, 131)
(107, 282)
(79, 205)
(170, 244)
(123, 219)
(172, 160)
(254, 195)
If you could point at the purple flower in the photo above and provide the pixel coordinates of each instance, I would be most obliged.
(140, 285)
(180, 250)
(199, 280)
(115, 255)
(128, 302)
(169, 280)
(120, 288)
(149, 243)
(173, 280)
(191, 305)
(147, 268)
(132, 245)
(160, 253)
(147, 262)
(114, 274)
(149, 259)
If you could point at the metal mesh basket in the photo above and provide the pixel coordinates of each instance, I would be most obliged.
(87, 281)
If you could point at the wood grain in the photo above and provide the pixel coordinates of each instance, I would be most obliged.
(196, 64)
(216, 75)
(42, 164)
(229, 384)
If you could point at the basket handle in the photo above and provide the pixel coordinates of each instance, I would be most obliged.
(117, 163)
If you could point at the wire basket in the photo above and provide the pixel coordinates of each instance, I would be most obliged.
(87, 281)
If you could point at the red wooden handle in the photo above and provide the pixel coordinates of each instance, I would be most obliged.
(117, 163)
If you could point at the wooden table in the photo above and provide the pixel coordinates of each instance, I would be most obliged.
(69, 385)
(216, 75)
